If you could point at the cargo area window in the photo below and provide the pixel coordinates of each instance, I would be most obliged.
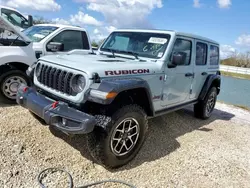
(214, 55)
(201, 53)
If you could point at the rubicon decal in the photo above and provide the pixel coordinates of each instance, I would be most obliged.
(124, 72)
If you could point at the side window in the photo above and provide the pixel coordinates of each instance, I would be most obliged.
(183, 48)
(214, 55)
(72, 40)
(201, 53)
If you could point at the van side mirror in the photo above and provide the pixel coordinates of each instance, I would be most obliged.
(30, 20)
(177, 59)
(55, 46)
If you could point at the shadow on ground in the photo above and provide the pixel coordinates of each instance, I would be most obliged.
(162, 135)
(6, 104)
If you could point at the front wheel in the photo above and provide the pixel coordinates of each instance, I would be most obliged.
(117, 142)
(9, 83)
(203, 109)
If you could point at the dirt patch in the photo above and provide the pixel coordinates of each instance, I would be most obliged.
(180, 151)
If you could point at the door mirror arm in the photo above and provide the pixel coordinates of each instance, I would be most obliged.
(172, 65)
(178, 58)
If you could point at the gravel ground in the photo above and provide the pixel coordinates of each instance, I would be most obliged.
(180, 151)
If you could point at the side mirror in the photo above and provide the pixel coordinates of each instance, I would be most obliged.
(30, 20)
(55, 46)
(22, 24)
(177, 59)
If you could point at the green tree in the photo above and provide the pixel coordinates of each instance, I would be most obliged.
(94, 44)
(40, 20)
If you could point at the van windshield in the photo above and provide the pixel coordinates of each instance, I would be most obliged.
(15, 18)
(38, 33)
(144, 44)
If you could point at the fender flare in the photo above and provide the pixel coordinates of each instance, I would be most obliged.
(211, 79)
(118, 86)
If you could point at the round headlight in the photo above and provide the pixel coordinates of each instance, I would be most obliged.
(38, 69)
(78, 83)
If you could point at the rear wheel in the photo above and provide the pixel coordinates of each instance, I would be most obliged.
(9, 83)
(203, 109)
(117, 142)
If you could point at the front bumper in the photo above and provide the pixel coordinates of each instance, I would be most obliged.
(58, 114)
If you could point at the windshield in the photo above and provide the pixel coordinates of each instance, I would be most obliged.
(15, 18)
(150, 45)
(38, 33)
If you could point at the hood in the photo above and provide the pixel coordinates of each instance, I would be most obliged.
(6, 25)
(102, 64)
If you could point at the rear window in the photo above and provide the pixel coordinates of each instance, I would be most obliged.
(214, 55)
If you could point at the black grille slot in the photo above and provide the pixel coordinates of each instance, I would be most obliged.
(56, 79)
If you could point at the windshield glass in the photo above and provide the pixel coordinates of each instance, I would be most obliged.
(15, 18)
(150, 45)
(38, 33)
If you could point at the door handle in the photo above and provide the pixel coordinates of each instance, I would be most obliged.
(189, 74)
(204, 73)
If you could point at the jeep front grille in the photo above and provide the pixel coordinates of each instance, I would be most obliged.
(55, 78)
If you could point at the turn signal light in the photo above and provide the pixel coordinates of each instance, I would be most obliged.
(111, 95)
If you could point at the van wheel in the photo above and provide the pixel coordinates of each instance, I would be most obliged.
(9, 83)
(121, 139)
(203, 109)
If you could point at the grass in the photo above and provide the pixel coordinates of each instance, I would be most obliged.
(236, 105)
(236, 75)
(243, 107)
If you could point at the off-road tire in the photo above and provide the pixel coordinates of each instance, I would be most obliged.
(201, 107)
(7, 75)
(99, 141)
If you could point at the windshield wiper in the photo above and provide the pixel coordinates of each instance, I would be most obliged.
(112, 51)
(134, 54)
(124, 52)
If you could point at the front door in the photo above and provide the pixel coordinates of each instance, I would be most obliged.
(200, 68)
(178, 79)
(71, 40)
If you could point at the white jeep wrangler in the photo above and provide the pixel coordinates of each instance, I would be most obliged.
(20, 50)
(136, 75)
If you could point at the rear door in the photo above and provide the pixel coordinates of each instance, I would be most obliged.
(200, 68)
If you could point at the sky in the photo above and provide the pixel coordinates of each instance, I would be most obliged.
(226, 21)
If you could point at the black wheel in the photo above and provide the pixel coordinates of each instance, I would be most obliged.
(203, 109)
(115, 144)
(9, 83)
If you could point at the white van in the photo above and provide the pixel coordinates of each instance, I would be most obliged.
(22, 50)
